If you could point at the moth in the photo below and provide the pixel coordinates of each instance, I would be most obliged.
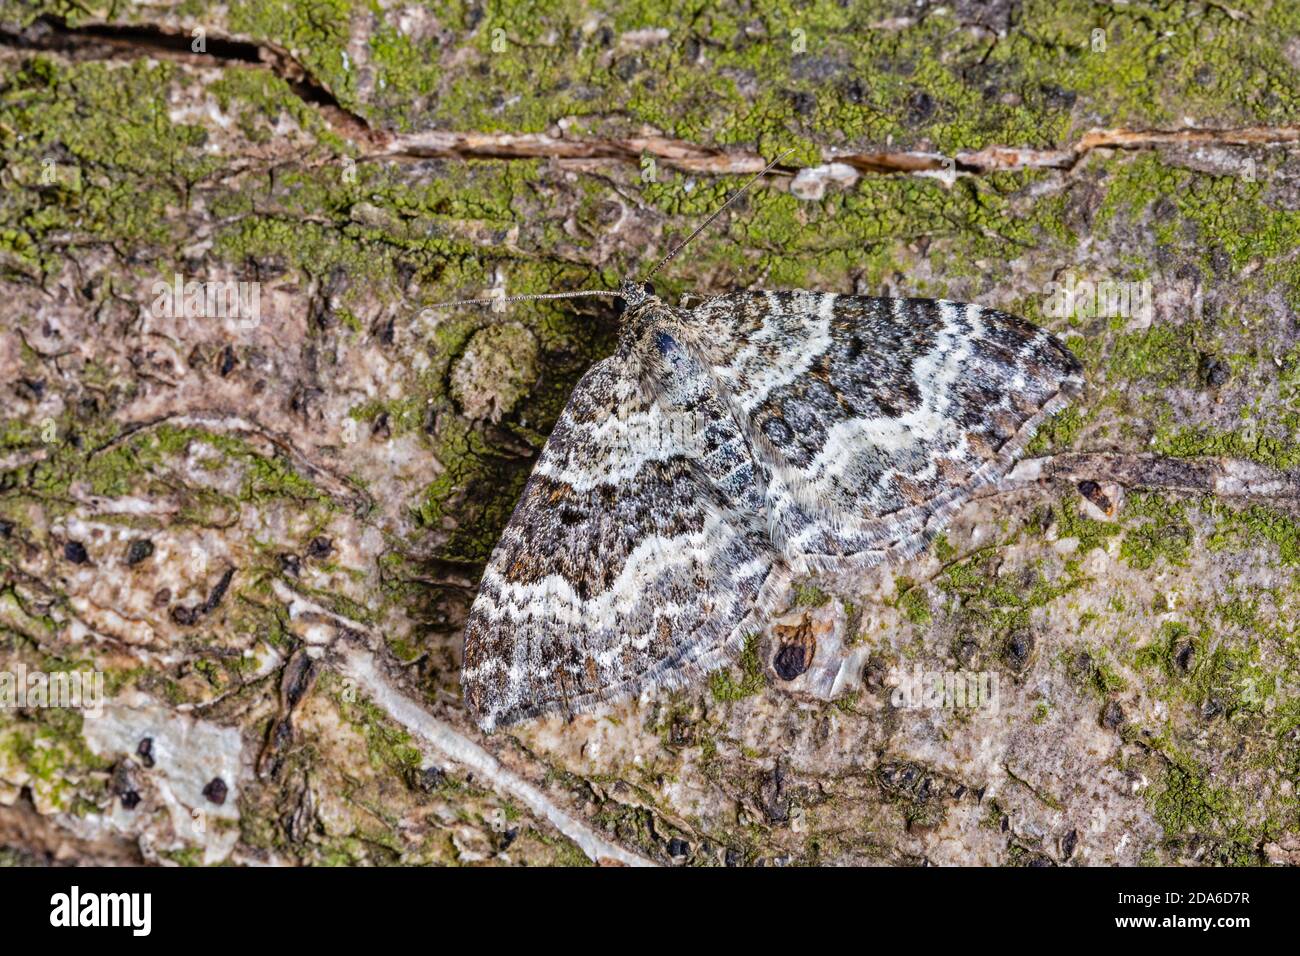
(725, 450)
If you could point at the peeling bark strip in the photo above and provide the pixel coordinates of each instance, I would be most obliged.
(677, 153)
(690, 157)
(1226, 477)
(49, 32)
(359, 664)
(993, 158)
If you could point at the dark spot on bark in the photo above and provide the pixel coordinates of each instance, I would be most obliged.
(1069, 843)
(145, 751)
(75, 552)
(1112, 715)
(227, 361)
(1220, 261)
(1058, 98)
(1020, 645)
(875, 672)
(627, 68)
(297, 679)
(290, 563)
(791, 660)
(732, 857)
(1214, 371)
(1184, 654)
(805, 104)
(138, 550)
(773, 796)
(185, 616)
(855, 91)
(216, 791)
(427, 779)
(678, 848)
(122, 783)
(320, 547)
(682, 732)
(219, 591)
(1092, 491)
(920, 106)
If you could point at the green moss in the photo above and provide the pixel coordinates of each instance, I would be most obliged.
(1089, 532)
(808, 595)
(1157, 527)
(1248, 527)
(1202, 441)
(726, 686)
(995, 607)
(317, 31)
(913, 602)
(1186, 803)
(1160, 653)
(1058, 433)
(124, 166)
(259, 98)
(388, 745)
(1091, 668)
(1161, 356)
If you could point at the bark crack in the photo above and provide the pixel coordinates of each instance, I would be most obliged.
(52, 33)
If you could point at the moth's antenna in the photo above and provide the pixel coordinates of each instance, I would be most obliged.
(492, 300)
(716, 213)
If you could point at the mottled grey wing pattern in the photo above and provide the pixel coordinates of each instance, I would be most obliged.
(721, 450)
(878, 417)
(622, 566)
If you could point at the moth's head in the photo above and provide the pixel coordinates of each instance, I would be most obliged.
(632, 294)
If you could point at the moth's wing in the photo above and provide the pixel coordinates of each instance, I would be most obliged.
(620, 568)
(879, 416)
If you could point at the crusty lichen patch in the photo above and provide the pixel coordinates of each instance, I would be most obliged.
(495, 372)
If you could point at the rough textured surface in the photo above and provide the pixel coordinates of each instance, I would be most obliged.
(267, 534)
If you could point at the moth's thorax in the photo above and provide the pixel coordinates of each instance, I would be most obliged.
(644, 325)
